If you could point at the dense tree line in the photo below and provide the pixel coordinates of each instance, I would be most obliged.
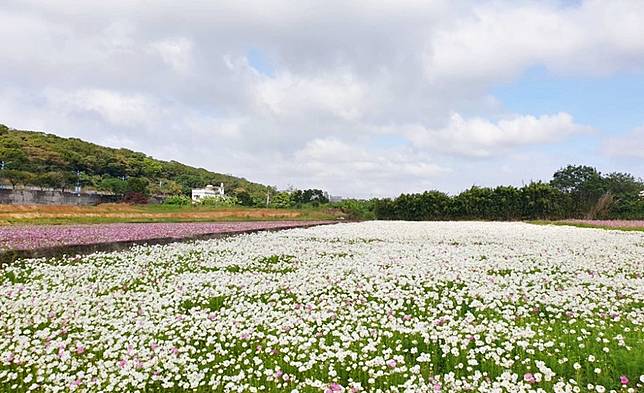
(574, 192)
(48, 161)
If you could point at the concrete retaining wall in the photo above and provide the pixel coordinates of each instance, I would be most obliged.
(49, 197)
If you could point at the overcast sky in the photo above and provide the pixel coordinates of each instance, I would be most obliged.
(360, 98)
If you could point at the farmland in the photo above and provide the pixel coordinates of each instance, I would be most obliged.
(119, 212)
(373, 307)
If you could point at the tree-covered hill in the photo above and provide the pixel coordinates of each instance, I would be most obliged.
(46, 160)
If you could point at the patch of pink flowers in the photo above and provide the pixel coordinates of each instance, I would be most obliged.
(609, 223)
(30, 237)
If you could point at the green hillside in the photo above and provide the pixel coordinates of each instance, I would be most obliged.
(46, 160)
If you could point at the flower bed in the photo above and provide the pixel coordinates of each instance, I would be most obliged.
(46, 236)
(361, 307)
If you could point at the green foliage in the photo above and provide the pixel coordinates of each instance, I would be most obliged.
(15, 177)
(178, 200)
(113, 184)
(138, 185)
(243, 196)
(310, 196)
(575, 192)
(228, 201)
(281, 200)
(357, 209)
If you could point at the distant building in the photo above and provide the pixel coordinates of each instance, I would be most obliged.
(209, 192)
(642, 194)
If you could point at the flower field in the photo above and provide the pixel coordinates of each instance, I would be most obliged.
(359, 307)
(28, 237)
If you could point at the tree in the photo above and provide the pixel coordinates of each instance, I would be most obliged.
(584, 183)
(114, 185)
(16, 177)
(55, 180)
(138, 185)
(243, 196)
(281, 200)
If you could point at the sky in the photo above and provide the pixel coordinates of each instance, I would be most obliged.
(359, 98)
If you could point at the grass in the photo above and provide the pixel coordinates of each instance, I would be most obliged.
(585, 225)
(116, 213)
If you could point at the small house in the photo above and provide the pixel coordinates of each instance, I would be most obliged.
(209, 192)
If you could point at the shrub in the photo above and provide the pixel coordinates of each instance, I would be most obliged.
(135, 198)
(219, 201)
(179, 200)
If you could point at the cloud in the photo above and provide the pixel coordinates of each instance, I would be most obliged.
(497, 40)
(481, 138)
(287, 95)
(117, 109)
(630, 145)
(176, 82)
(176, 52)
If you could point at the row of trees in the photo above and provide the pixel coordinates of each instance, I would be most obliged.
(574, 192)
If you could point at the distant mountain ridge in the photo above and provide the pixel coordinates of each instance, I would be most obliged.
(38, 158)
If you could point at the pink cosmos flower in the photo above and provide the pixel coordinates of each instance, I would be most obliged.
(529, 378)
(391, 363)
(334, 387)
(623, 380)
(407, 317)
(121, 363)
(75, 384)
(80, 349)
(437, 387)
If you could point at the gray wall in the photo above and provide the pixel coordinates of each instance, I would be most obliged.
(49, 197)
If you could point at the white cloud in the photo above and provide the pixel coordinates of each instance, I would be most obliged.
(630, 145)
(176, 52)
(481, 137)
(287, 95)
(118, 109)
(355, 171)
(498, 40)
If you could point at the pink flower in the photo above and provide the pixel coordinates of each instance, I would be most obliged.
(529, 378)
(154, 346)
(278, 374)
(623, 380)
(437, 387)
(407, 317)
(121, 363)
(391, 363)
(80, 349)
(334, 387)
(75, 384)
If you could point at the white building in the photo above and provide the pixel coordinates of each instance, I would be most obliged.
(208, 192)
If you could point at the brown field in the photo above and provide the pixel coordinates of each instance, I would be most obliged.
(57, 214)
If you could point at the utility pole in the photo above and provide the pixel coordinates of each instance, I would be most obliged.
(78, 184)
